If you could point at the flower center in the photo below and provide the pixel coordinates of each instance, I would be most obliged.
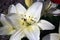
(26, 21)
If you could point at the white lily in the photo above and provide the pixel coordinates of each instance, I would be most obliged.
(52, 36)
(27, 22)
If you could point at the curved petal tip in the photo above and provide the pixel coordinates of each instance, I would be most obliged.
(11, 9)
(45, 25)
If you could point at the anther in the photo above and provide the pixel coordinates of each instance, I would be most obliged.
(32, 20)
(24, 19)
(29, 16)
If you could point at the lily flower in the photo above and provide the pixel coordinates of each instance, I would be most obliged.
(27, 23)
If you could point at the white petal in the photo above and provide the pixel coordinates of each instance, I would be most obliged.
(45, 25)
(20, 8)
(3, 19)
(13, 19)
(56, 12)
(11, 9)
(52, 36)
(35, 11)
(32, 32)
(7, 29)
(17, 36)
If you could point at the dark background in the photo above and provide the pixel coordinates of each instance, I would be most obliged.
(4, 4)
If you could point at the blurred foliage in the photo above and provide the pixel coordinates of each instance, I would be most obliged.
(58, 6)
(1, 24)
(4, 37)
(4, 4)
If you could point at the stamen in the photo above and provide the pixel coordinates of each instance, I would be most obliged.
(29, 16)
(22, 23)
(25, 15)
(32, 20)
(24, 19)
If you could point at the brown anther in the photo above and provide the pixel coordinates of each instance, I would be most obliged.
(29, 16)
(32, 20)
(24, 19)
(25, 15)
